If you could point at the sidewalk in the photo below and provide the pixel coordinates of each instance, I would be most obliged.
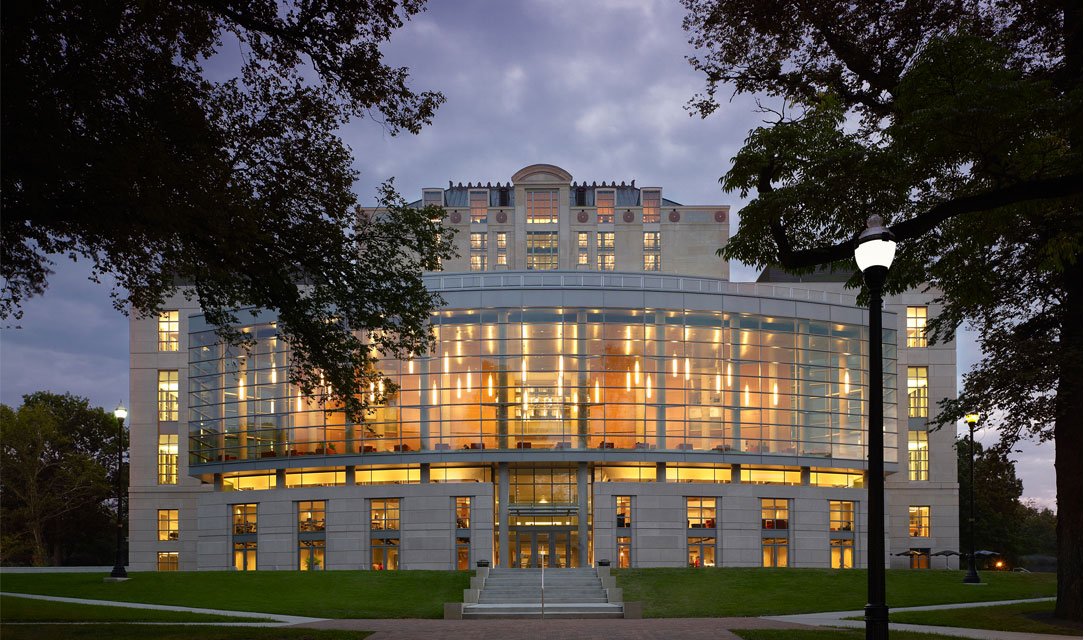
(836, 619)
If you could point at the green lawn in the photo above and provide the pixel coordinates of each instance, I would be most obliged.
(166, 632)
(14, 609)
(1030, 617)
(829, 634)
(319, 594)
(721, 592)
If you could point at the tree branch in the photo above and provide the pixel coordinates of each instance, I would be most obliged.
(1059, 187)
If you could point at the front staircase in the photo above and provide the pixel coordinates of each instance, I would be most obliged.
(519, 593)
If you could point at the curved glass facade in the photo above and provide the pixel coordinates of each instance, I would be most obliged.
(561, 379)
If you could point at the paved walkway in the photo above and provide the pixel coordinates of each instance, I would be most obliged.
(279, 619)
(612, 629)
(836, 619)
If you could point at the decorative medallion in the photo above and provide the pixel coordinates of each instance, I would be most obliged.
(627, 216)
(456, 218)
(720, 216)
(675, 216)
(581, 217)
(502, 217)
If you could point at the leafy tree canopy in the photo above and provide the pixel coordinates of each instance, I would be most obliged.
(119, 150)
(960, 124)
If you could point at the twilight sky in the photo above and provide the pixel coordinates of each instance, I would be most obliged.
(597, 88)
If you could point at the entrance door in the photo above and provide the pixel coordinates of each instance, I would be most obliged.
(530, 549)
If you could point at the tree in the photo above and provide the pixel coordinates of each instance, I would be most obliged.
(119, 149)
(959, 123)
(998, 511)
(58, 461)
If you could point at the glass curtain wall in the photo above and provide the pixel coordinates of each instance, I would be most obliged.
(561, 379)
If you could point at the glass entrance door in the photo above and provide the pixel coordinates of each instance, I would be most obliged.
(532, 549)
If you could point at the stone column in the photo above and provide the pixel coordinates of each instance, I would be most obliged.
(581, 496)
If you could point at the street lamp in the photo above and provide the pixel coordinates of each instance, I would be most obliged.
(873, 251)
(118, 565)
(972, 576)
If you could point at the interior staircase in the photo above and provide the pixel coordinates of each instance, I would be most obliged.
(519, 593)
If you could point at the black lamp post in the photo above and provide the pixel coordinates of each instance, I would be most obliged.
(874, 250)
(118, 565)
(972, 576)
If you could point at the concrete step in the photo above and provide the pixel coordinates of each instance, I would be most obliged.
(557, 610)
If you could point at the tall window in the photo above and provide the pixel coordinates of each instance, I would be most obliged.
(604, 203)
(918, 521)
(606, 251)
(841, 552)
(311, 535)
(541, 250)
(167, 524)
(652, 249)
(624, 512)
(462, 512)
(168, 396)
(542, 206)
(624, 552)
(502, 247)
(167, 458)
(478, 246)
(701, 551)
(700, 513)
(168, 560)
(651, 201)
(916, 326)
(581, 244)
(169, 323)
(774, 513)
(479, 206)
(918, 397)
(918, 455)
(244, 537)
(384, 525)
(840, 515)
(773, 552)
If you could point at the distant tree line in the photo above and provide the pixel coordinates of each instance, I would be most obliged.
(58, 465)
(1003, 522)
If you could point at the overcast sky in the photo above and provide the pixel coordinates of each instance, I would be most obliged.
(597, 88)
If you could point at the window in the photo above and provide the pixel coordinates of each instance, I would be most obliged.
(701, 551)
(774, 513)
(244, 519)
(773, 552)
(310, 516)
(462, 513)
(167, 458)
(385, 514)
(168, 396)
(920, 558)
(651, 202)
(916, 326)
(462, 554)
(167, 560)
(385, 554)
(604, 203)
(652, 261)
(624, 552)
(919, 521)
(479, 206)
(244, 556)
(606, 251)
(918, 399)
(541, 250)
(841, 554)
(542, 206)
(433, 198)
(581, 243)
(478, 242)
(311, 554)
(169, 331)
(700, 513)
(502, 247)
(918, 456)
(840, 516)
(624, 512)
(167, 524)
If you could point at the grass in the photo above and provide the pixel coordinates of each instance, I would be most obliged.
(1029, 617)
(722, 592)
(13, 609)
(829, 634)
(167, 632)
(318, 594)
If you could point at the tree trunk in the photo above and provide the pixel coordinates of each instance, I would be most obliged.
(1067, 445)
(39, 555)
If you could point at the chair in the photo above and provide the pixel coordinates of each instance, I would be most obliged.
(523, 445)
